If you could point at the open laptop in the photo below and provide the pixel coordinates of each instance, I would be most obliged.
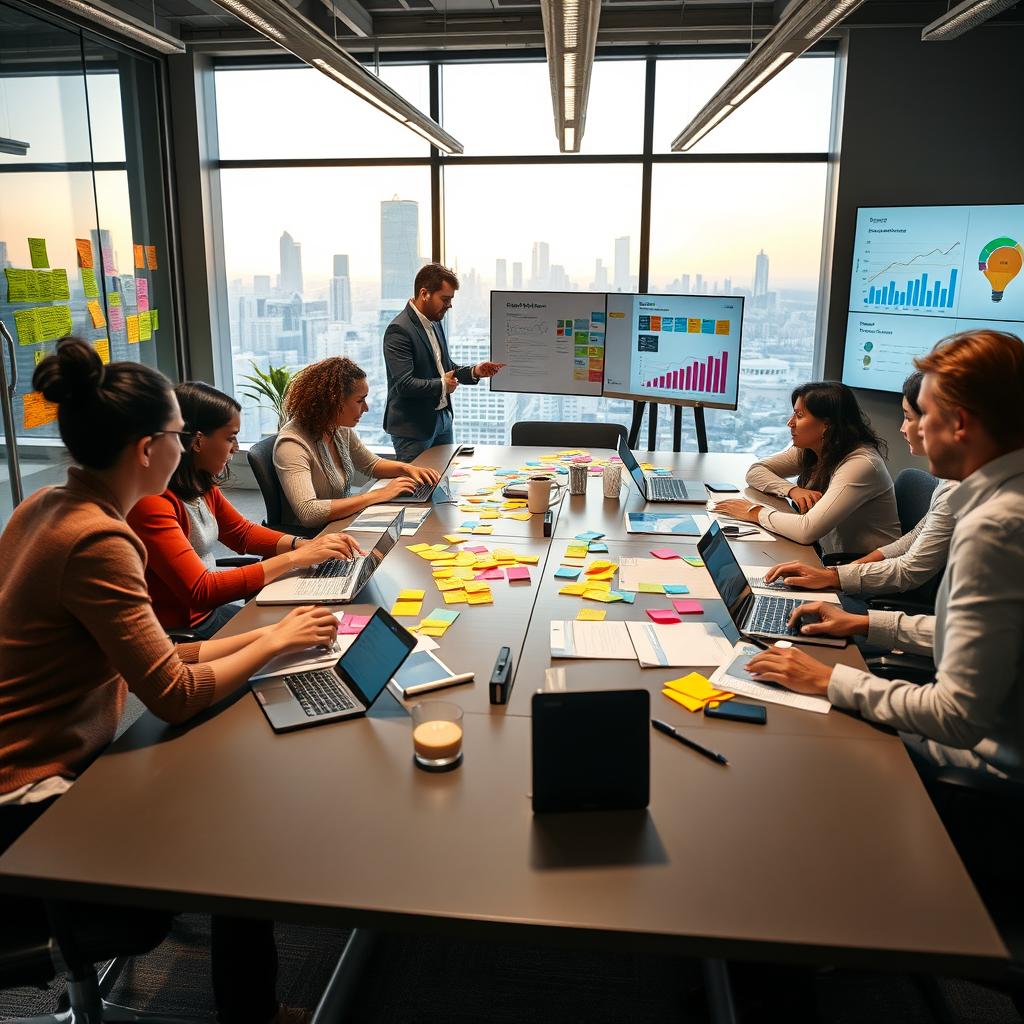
(335, 581)
(661, 488)
(347, 690)
(761, 615)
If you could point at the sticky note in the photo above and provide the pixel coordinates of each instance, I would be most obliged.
(651, 588)
(591, 615)
(37, 252)
(116, 319)
(145, 327)
(688, 702)
(417, 547)
(483, 597)
(432, 630)
(573, 589)
(140, 257)
(598, 566)
(695, 685)
(567, 572)
(154, 320)
(603, 585)
(17, 285)
(626, 595)
(687, 606)
(108, 262)
(589, 535)
(53, 322)
(37, 410)
(443, 615)
(522, 517)
(518, 572)
(483, 529)
(59, 287)
(114, 299)
(676, 588)
(44, 284)
(453, 538)
(133, 329)
(662, 615)
(89, 285)
(455, 597)
(598, 545)
(84, 247)
(96, 313)
(151, 263)
(25, 321)
(102, 346)
(576, 551)
(697, 563)
(527, 559)
(435, 623)
(476, 587)
(664, 553)
(442, 574)
(491, 574)
(406, 608)
(410, 595)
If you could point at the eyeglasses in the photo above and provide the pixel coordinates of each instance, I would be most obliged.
(185, 437)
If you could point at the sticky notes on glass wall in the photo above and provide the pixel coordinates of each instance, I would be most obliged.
(102, 346)
(145, 327)
(38, 356)
(44, 285)
(96, 313)
(53, 322)
(37, 411)
(154, 320)
(132, 323)
(116, 318)
(17, 284)
(151, 258)
(84, 247)
(142, 294)
(25, 322)
(37, 252)
(140, 257)
(89, 285)
(114, 299)
(59, 287)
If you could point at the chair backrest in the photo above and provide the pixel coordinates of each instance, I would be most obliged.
(261, 461)
(914, 489)
(574, 435)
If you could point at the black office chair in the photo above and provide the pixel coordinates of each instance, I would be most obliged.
(914, 489)
(261, 461)
(571, 435)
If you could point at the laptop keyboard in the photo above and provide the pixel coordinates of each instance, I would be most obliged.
(771, 616)
(326, 579)
(668, 487)
(333, 568)
(319, 693)
(776, 584)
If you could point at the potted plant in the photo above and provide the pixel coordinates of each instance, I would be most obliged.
(268, 388)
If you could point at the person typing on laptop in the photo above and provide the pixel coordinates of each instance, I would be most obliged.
(972, 715)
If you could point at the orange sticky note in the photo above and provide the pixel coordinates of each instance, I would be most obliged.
(38, 411)
(96, 312)
(140, 257)
(151, 257)
(84, 247)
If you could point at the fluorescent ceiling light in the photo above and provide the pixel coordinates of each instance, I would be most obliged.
(800, 26)
(291, 30)
(123, 25)
(570, 38)
(962, 18)
(13, 147)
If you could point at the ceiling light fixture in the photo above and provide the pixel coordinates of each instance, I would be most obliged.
(801, 25)
(570, 38)
(962, 18)
(291, 30)
(123, 25)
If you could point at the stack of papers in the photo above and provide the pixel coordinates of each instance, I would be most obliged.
(591, 640)
(678, 645)
(378, 518)
(694, 691)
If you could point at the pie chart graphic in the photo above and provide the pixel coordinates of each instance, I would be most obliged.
(1000, 261)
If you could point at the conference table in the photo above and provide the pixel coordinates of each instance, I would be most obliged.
(818, 844)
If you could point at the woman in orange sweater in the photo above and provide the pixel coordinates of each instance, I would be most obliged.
(77, 629)
(181, 527)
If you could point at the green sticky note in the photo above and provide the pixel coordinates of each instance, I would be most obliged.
(154, 320)
(44, 285)
(59, 285)
(145, 326)
(114, 299)
(443, 615)
(89, 285)
(17, 284)
(37, 250)
(697, 563)
(25, 321)
(52, 322)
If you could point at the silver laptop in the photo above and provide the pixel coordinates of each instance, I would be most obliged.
(348, 690)
(761, 615)
(662, 488)
(335, 581)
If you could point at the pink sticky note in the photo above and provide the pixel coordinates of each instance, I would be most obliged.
(664, 553)
(518, 572)
(687, 606)
(479, 549)
(662, 615)
(490, 574)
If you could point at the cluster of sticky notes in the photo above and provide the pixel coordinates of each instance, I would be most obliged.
(436, 624)
(681, 606)
(464, 577)
(596, 584)
(693, 691)
(44, 323)
(590, 541)
(349, 623)
(408, 603)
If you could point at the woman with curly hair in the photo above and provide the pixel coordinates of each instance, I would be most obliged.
(318, 453)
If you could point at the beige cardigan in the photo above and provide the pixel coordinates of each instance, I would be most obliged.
(309, 476)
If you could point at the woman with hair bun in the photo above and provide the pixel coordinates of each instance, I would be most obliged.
(318, 453)
(77, 630)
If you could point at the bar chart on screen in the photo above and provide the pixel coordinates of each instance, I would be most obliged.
(704, 377)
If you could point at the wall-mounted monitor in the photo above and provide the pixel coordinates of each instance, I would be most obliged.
(921, 273)
(678, 349)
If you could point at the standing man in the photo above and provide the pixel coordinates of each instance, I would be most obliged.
(421, 374)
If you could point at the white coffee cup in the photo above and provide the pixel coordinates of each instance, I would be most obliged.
(538, 493)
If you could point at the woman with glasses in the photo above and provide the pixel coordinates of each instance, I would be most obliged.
(182, 526)
(77, 629)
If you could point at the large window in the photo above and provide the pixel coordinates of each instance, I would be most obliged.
(332, 254)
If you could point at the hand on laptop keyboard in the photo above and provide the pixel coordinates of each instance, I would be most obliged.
(822, 618)
(305, 626)
(802, 577)
(324, 548)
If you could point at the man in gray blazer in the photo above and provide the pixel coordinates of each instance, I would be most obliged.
(421, 374)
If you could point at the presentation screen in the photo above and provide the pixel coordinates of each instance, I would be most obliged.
(683, 349)
(923, 272)
(553, 342)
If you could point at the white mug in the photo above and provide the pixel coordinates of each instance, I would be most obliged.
(538, 494)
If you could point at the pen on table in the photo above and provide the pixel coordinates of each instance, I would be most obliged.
(669, 731)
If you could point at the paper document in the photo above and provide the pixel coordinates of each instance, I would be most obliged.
(572, 639)
(679, 645)
(747, 531)
(755, 577)
(731, 676)
(378, 518)
(677, 524)
(634, 571)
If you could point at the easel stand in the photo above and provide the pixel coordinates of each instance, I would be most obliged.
(677, 427)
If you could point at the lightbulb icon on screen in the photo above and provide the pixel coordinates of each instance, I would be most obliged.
(1000, 261)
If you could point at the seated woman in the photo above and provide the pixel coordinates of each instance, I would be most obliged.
(77, 630)
(911, 561)
(181, 526)
(317, 452)
(843, 491)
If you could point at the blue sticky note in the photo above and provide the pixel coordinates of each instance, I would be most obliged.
(589, 535)
(443, 615)
(469, 524)
(562, 471)
(676, 588)
(629, 596)
(567, 572)
(598, 545)
(533, 462)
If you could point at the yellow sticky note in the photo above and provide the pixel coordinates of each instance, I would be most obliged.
(452, 538)
(503, 553)
(418, 547)
(432, 630)
(521, 516)
(442, 574)
(102, 346)
(455, 597)
(411, 595)
(464, 573)
(490, 515)
(599, 565)
(483, 529)
(576, 551)
(690, 703)
(573, 589)
(406, 608)
(591, 615)
(476, 587)
(449, 584)
(483, 598)
(465, 558)
(527, 559)
(603, 585)
(132, 323)
(693, 684)
(438, 558)
(434, 624)
(145, 326)
(651, 588)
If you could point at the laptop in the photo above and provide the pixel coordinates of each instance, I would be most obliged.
(425, 492)
(761, 615)
(336, 581)
(347, 690)
(661, 488)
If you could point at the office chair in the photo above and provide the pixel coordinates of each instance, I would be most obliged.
(261, 461)
(570, 435)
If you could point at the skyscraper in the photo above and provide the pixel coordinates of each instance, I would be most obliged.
(341, 291)
(600, 277)
(540, 266)
(685, 284)
(500, 274)
(399, 247)
(760, 275)
(261, 285)
(699, 287)
(3, 256)
(517, 275)
(289, 281)
(728, 286)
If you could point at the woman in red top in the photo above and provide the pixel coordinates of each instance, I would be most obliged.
(181, 527)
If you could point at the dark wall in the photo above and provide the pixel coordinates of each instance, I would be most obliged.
(924, 124)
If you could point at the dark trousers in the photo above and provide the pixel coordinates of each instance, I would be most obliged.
(216, 619)
(407, 448)
(242, 951)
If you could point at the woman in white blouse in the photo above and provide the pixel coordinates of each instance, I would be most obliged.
(843, 490)
(318, 454)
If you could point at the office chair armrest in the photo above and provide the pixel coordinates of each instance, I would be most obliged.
(895, 603)
(183, 636)
(978, 782)
(238, 561)
(295, 531)
(840, 557)
(915, 668)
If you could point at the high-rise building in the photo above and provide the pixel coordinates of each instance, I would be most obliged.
(500, 274)
(341, 291)
(558, 279)
(699, 286)
(600, 282)
(728, 286)
(517, 275)
(540, 266)
(621, 281)
(685, 286)
(289, 281)
(399, 247)
(261, 285)
(3, 256)
(760, 275)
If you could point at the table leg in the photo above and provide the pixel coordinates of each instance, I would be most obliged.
(336, 1002)
(718, 991)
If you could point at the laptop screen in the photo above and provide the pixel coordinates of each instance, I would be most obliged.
(629, 461)
(376, 655)
(384, 544)
(725, 571)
